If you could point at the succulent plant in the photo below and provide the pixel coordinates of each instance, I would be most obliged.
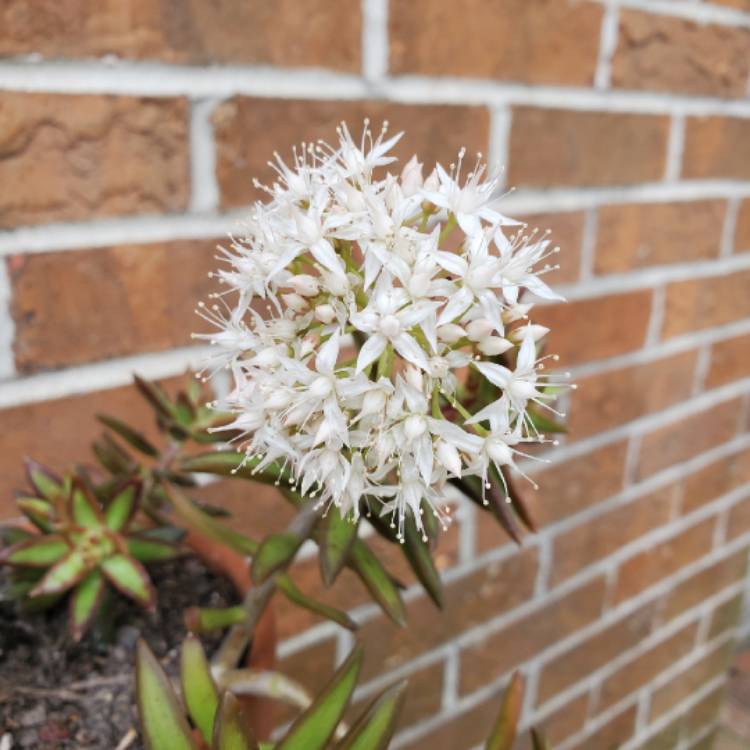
(81, 539)
(211, 716)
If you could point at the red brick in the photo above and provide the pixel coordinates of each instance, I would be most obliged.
(563, 147)
(730, 360)
(739, 519)
(706, 302)
(86, 305)
(590, 329)
(76, 157)
(742, 230)
(474, 599)
(705, 712)
(717, 147)
(715, 480)
(615, 732)
(662, 560)
(664, 53)
(248, 131)
(484, 661)
(652, 234)
(576, 484)
(531, 42)
(595, 652)
(690, 680)
(727, 615)
(600, 537)
(270, 32)
(615, 397)
(644, 668)
(560, 724)
(703, 585)
(688, 437)
(566, 232)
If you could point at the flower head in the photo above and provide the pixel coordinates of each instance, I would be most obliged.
(359, 342)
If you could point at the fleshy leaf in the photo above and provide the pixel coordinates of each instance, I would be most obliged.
(129, 435)
(314, 728)
(112, 456)
(418, 554)
(84, 508)
(380, 585)
(198, 689)
(285, 584)
(121, 508)
(43, 480)
(129, 577)
(162, 720)
(37, 552)
(148, 550)
(337, 535)
(207, 619)
(375, 727)
(64, 574)
(155, 395)
(85, 602)
(38, 511)
(539, 741)
(503, 734)
(276, 551)
(228, 464)
(232, 730)
(10, 535)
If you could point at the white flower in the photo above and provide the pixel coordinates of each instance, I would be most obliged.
(350, 380)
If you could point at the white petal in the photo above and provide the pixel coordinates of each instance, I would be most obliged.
(410, 350)
(457, 305)
(496, 374)
(328, 354)
(324, 253)
(371, 350)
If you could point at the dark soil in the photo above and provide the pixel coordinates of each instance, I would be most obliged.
(55, 694)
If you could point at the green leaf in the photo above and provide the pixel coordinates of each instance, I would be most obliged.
(37, 552)
(64, 574)
(85, 602)
(337, 535)
(129, 435)
(147, 550)
(539, 741)
(314, 728)
(374, 729)
(129, 577)
(201, 521)
(198, 689)
(162, 720)
(10, 535)
(38, 511)
(276, 551)
(122, 507)
(155, 395)
(287, 587)
(229, 464)
(43, 480)
(375, 577)
(418, 554)
(232, 730)
(207, 619)
(113, 456)
(503, 734)
(84, 508)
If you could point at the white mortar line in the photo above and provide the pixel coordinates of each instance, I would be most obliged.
(204, 196)
(607, 46)
(467, 531)
(729, 228)
(99, 376)
(374, 40)
(632, 453)
(104, 232)
(702, 365)
(675, 148)
(703, 13)
(7, 326)
(451, 677)
(656, 319)
(588, 244)
(499, 155)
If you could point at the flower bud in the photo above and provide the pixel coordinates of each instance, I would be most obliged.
(414, 426)
(517, 312)
(517, 335)
(325, 313)
(450, 333)
(335, 284)
(373, 402)
(479, 329)
(414, 378)
(304, 284)
(294, 302)
(419, 284)
(411, 177)
(493, 345)
(449, 457)
(268, 357)
(500, 453)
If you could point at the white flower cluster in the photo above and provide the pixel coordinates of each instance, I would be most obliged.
(367, 315)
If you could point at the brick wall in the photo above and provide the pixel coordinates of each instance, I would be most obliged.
(129, 133)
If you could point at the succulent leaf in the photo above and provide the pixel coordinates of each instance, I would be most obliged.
(129, 435)
(43, 480)
(232, 730)
(314, 728)
(38, 511)
(276, 551)
(162, 720)
(148, 550)
(539, 741)
(377, 581)
(122, 507)
(375, 727)
(503, 733)
(285, 584)
(336, 539)
(198, 689)
(85, 602)
(84, 508)
(37, 552)
(63, 575)
(418, 554)
(129, 577)
(208, 619)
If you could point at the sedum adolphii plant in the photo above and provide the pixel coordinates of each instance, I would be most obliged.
(375, 332)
